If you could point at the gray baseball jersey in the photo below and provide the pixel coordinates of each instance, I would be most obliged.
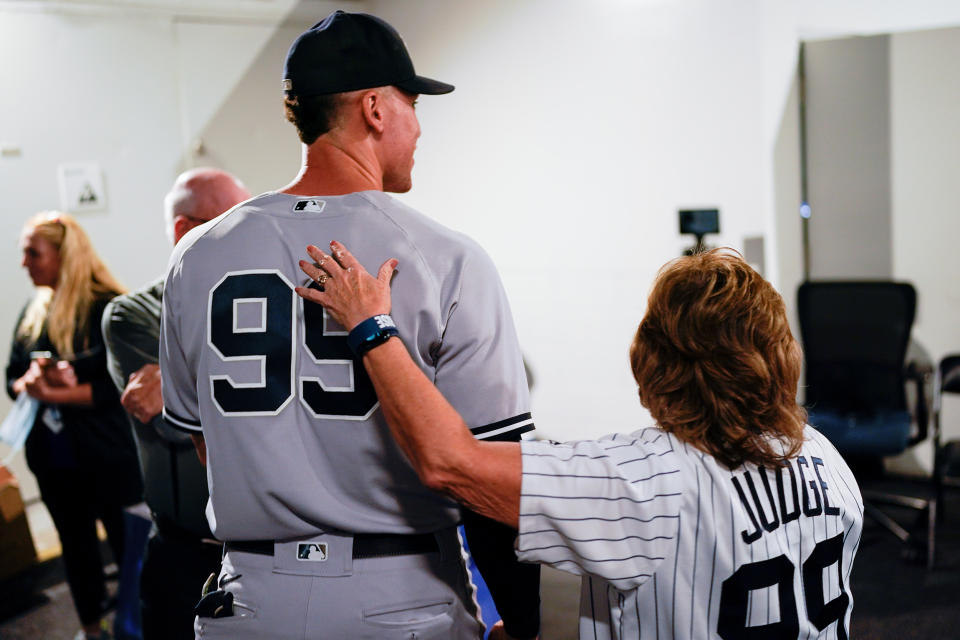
(295, 441)
(672, 544)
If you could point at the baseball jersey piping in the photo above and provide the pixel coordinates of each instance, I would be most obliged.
(182, 424)
(521, 423)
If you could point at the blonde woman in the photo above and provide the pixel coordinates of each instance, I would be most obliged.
(81, 448)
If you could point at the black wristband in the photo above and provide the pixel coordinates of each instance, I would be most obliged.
(370, 333)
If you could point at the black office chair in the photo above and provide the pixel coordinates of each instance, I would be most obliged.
(946, 468)
(855, 337)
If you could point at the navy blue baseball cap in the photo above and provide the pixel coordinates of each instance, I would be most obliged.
(352, 51)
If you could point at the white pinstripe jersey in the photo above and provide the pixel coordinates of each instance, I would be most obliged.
(672, 544)
(296, 443)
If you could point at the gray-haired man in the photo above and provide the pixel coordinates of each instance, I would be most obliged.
(181, 553)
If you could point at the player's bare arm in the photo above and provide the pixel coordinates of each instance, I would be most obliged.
(484, 476)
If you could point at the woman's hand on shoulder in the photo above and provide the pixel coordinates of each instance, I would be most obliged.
(346, 290)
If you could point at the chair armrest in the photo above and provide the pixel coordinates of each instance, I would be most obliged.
(920, 372)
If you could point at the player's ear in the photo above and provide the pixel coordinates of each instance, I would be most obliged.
(373, 103)
(181, 224)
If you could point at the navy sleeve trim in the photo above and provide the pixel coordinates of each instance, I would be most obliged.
(182, 424)
(504, 429)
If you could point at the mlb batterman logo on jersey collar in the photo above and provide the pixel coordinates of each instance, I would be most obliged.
(310, 205)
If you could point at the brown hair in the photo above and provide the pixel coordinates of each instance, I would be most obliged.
(312, 116)
(716, 363)
(83, 279)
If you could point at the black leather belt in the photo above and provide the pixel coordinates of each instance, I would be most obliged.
(365, 545)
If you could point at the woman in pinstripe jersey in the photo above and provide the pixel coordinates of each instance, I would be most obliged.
(730, 518)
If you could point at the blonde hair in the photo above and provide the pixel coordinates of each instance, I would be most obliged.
(82, 279)
(716, 363)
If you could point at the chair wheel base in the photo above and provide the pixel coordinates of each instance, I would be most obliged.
(914, 552)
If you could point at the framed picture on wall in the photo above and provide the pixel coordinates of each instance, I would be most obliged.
(81, 187)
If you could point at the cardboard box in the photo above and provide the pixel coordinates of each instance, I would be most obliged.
(16, 544)
(11, 504)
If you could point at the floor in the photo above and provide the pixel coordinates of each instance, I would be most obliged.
(40, 606)
(895, 598)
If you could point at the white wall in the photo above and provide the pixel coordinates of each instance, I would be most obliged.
(818, 19)
(577, 129)
(128, 87)
(247, 134)
(925, 136)
(61, 105)
(848, 142)
(787, 191)
(786, 24)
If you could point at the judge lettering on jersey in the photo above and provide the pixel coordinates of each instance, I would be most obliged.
(731, 518)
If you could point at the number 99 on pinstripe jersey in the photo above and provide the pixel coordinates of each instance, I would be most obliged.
(272, 340)
(779, 572)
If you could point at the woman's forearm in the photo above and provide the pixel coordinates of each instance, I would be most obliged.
(483, 476)
(80, 395)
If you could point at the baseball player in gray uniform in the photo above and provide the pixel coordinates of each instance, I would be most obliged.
(329, 532)
(729, 519)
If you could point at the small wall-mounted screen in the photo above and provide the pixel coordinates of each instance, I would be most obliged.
(699, 221)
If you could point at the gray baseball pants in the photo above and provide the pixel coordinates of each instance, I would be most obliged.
(316, 588)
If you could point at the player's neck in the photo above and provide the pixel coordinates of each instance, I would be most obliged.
(330, 169)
